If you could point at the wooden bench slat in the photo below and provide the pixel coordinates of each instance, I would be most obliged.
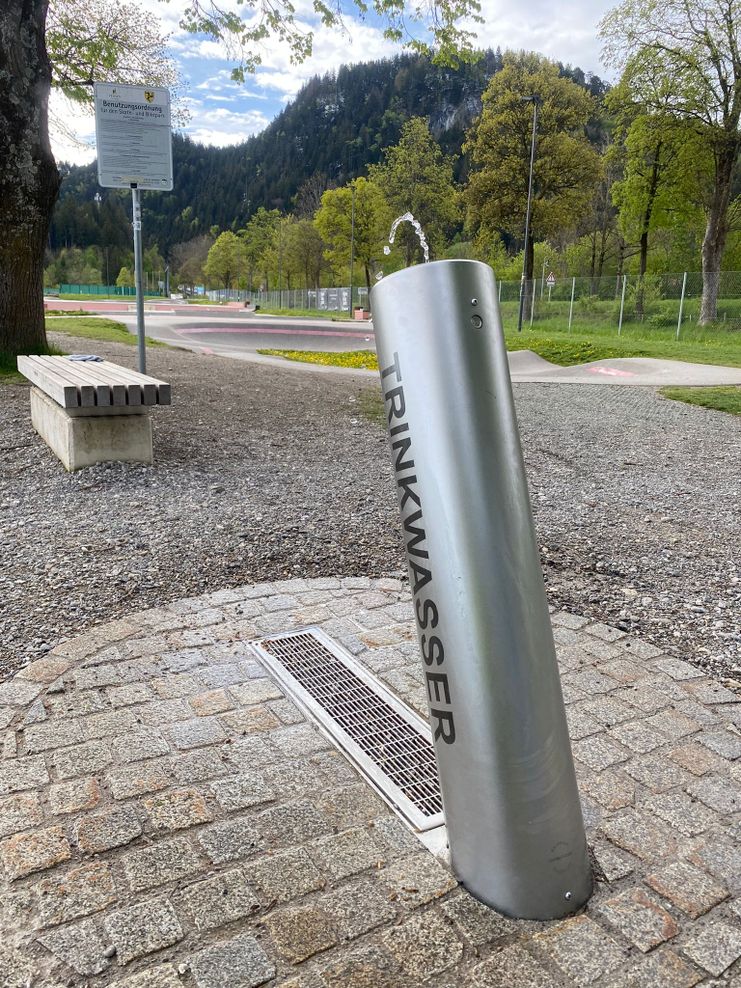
(92, 393)
(118, 388)
(64, 393)
(155, 391)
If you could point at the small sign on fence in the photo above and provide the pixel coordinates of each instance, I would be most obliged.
(550, 280)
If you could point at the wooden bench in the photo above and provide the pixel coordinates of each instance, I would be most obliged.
(91, 411)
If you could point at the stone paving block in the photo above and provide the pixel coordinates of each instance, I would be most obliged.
(104, 831)
(637, 736)
(368, 966)
(581, 949)
(641, 649)
(276, 623)
(417, 879)
(165, 861)
(351, 806)
(185, 659)
(334, 768)
(291, 824)
(721, 856)
(649, 697)
(227, 674)
(298, 740)
(19, 813)
(143, 929)
(476, 922)
(256, 691)
(175, 687)
(599, 752)
(639, 918)
(512, 967)
(656, 772)
(162, 976)
(231, 840)
(79, 945)
(725, 743)
(18, 972)
(581, 725)
(19, 692)
(612, 788)
(696, 759)
(358, 907)
(641, 834)
(93, 677)
(607, 710)
(677, 669)
(23, 854)
(286, 712)
(346, 853)
(177, 810)
(139, 778)
(299, 932)
(565, 619)
(244, 609)
(212, 702)
(22, 773)
(139, 745)
(109, 723)
(714, 947)
(284, 876)
(35, 714)
(604, 632)
(46, 670)
(697, 711)
(219, 900)
(614, 864)
(194, 733)
(251, 720)
(77, 893)
(7, 715)
(673, 723)
(424, 945)
(395, 838)
(72, 797)
(199, 766)
(710, 691)
(601, 650)
(661, 969)
(237, 963)
(242, 791)
(718, 793)
(127, 696)
(51, 734)
(75, 704)
(83, 759)
(252, 753)
(686, 815)
(623, 670)
(160, 712)
(690, 889)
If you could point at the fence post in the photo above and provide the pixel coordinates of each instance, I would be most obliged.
(622, 305)
(500, 291)
(571, 304)
(532, 303)
(681, 303)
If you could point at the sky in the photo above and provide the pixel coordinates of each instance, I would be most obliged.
(223, 112)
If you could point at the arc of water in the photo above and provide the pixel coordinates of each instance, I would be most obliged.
(408, 218)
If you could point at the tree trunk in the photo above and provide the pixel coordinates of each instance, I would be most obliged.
(529, 287)
(29, 180)
(716, 231)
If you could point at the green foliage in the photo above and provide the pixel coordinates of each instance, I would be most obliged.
(718, 399)
(567, 168)
(125, 278)
(364, 201)
(415, 176)
(260, 237)
(226, 261)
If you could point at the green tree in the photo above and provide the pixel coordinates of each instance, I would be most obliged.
(125, 278)
(366, 236)
(567, 168)
(226, 260)
(69, 43)
(259, 236)
(682, 59)
(304, 252)
(416, 176)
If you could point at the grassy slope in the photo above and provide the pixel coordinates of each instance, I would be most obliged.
(718, 399)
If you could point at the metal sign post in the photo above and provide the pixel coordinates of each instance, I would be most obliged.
(509, 789)
(134, 144)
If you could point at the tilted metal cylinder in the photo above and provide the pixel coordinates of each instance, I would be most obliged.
(510, 797)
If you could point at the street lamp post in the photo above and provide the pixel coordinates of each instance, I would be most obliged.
(535, 100)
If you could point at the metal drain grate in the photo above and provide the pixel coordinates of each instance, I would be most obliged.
(388, 741)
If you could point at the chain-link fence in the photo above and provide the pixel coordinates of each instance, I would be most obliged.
(319, 299)
(665, 303)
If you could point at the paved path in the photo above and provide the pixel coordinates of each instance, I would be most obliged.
(168, 818)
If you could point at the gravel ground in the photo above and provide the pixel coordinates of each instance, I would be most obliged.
(263, 473)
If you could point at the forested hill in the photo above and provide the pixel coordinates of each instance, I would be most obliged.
(336, 125)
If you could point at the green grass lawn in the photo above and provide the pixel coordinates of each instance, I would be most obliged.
(331, 316)
(74, 297)
(567, 349)
(95, 328)
(718, 399)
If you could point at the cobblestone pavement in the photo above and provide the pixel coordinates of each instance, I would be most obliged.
(168, 818)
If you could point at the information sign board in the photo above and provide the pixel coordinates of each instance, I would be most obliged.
(132, 129)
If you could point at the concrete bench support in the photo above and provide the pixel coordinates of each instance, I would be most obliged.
(81, 437)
